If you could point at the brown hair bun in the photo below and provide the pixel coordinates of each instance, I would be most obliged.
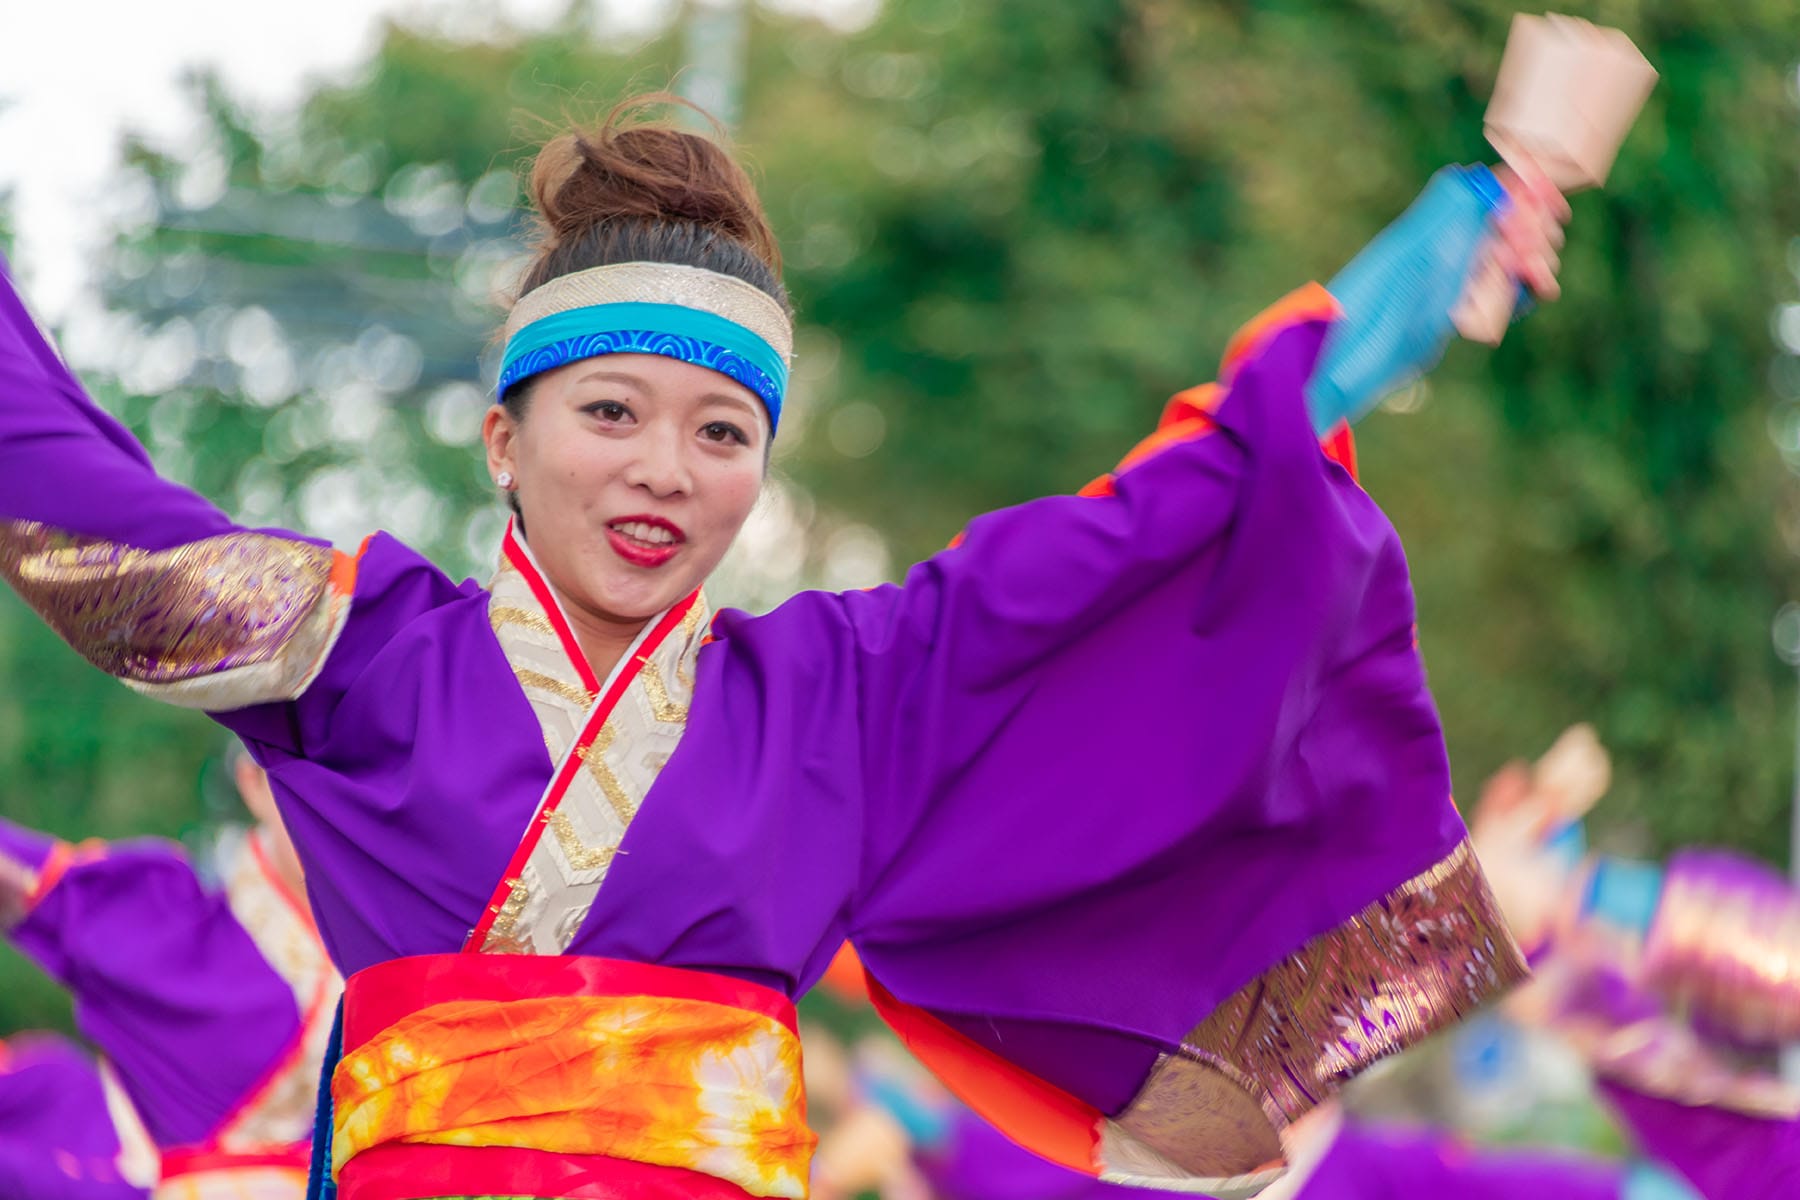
(635, 191)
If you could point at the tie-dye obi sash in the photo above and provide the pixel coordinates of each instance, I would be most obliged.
(559, 1076)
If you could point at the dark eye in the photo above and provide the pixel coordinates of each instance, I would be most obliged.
(607, 410)
(724, 432)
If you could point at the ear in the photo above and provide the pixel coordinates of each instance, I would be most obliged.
(500, 432)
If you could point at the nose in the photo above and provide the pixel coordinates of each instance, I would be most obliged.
(660, 466)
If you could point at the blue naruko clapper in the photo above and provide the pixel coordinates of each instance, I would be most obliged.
(1397, 295)
(1624, 893)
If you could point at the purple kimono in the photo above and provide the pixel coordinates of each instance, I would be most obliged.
(57, 1140)
(1141, 792)
(210, 1005)
(1680, 1014)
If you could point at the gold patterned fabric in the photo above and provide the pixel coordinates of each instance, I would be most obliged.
(226, 621)
(585, 811)
(1408, 965)
(660, 283)
(1592, 992)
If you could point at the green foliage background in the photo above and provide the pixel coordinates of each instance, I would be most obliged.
(1013, 228)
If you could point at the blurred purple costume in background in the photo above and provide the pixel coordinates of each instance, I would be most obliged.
(57, 1140)
(1678, 998)
(210, 1006)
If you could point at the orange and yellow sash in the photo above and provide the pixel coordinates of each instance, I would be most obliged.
(548, 1068)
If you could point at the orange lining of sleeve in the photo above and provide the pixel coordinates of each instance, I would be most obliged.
(1340, 447)
(845, 977)
(343, 569)
(1031, 1111)
(1189, 413)
(1309, 303)
(62, 857)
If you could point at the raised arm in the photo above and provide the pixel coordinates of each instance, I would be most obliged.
(1401, 291)
(1132, 759)
(144, 578)
(150, 582)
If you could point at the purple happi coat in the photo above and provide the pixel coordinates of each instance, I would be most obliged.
(57, 1140)
(1681, 1027)
(1142, 791)
(210, 1004)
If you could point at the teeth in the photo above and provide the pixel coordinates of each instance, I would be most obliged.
(643, 531)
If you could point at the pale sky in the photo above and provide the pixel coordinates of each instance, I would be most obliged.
(75, 73)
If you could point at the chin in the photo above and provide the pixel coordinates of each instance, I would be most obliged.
(639, 604)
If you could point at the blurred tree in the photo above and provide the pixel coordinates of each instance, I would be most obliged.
(1081, 200)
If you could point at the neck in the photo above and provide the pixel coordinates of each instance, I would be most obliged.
(603, 641)
(282, 861)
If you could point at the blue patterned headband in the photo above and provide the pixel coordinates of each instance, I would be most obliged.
(711, 320)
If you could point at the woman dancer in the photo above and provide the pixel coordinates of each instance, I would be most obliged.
(1095, 791)
(212, 1007)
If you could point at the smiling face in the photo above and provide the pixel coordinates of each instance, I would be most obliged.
(634, 472)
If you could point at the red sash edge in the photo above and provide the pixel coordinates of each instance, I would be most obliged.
(179, 1162)
(403, 1172)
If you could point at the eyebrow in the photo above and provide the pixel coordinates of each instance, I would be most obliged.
(636, 381)
(734, 401)
(729, 399)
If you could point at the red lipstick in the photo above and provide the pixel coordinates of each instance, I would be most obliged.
(644, 540)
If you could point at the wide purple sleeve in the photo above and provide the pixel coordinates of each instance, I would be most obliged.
(149, 581)
(56, 1136)
(1724, 1154)
(165, 982)
(27, 848)
(1157, 810)
(975, 1161)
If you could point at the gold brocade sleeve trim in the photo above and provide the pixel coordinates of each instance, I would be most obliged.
(1410, 964)
(223, 622)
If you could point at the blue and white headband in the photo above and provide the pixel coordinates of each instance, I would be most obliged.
(711, 320)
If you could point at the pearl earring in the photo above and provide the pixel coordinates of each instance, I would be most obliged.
(505, 481)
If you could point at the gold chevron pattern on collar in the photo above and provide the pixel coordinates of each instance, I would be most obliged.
(586, 808)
